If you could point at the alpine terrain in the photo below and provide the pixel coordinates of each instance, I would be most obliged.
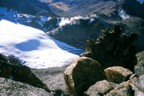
(71, 47)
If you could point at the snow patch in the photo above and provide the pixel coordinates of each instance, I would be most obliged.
(72, 20)
(33, 47)
(64, 21)
(123, 14)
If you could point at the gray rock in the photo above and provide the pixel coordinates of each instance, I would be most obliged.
(141, 82)
(139, 68)
(81, 74)
(13, 88)
(137, 84)
(101, 87)
(139, 93)
(117, 74)
(124, 89)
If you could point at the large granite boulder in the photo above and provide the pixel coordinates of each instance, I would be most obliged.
(113, 48)
(13, 88)
(81, 74)
(117, 74)
(11, 68)
(100, 88)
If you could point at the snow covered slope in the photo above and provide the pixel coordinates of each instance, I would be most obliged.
(33, 47)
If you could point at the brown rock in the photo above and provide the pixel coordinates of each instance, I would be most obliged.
(81, 74)
(101, 87)
(117, 74)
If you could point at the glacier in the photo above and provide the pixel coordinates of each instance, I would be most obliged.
(33, 47)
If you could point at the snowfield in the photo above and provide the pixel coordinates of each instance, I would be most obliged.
(34, 47)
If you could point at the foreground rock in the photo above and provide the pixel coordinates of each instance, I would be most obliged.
(10, 68)
(123, 89)
(105, 88)
(117, 74)
(100, 88)
(81, 74)
(13, 88)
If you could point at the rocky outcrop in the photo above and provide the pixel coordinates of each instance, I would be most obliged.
(81, 74)
(11, 68)
(117, 74)
(13, 88)
(113, 49)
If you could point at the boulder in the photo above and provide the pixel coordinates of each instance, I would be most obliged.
(13, 88)
(124, 89)
(117, 74)
(11, 68)
(81, 74)
(100, 88)
(139, 68)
